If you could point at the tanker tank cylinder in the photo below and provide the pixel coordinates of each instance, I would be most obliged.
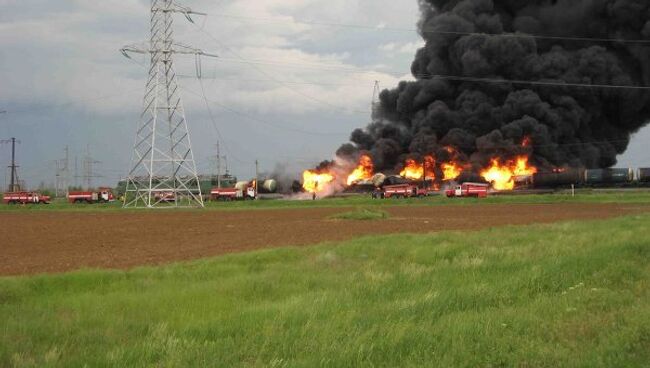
(555, 179)
(395, 180)
(269, 186)
(644, 175)
(609, 176)
(241, 185)
(470, 177)
(378, 180)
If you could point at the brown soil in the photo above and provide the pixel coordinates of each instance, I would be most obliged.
(63, 241)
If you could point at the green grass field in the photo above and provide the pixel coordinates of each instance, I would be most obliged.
(584, 196)
(562, 295)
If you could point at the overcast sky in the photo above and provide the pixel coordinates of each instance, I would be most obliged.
(287, 89)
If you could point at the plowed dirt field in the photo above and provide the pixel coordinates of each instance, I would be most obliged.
(50, 242)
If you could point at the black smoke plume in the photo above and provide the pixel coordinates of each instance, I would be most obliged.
(568, 125)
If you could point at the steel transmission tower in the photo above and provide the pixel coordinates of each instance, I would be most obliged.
(163, 171)
(14, 185)
(62, 183)
(375, 96)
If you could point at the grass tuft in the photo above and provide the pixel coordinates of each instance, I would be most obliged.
(362, 214)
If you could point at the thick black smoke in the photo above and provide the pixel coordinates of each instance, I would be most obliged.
(569, 125)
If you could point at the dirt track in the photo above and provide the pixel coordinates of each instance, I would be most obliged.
(64, 241)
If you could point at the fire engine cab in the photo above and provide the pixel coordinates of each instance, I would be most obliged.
(477, 190)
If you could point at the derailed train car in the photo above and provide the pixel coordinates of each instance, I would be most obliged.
(599, 177)
(643, 176)
(558, 179)
(614, 177)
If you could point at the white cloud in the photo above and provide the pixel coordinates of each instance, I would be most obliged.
(393, 49)
(65, 55)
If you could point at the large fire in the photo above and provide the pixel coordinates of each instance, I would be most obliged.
(502, 176)
(364, 171)
(451, 170)
(501, 173)
(414, 170)
(314, 182)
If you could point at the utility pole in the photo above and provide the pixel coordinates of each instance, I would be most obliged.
(89, 173)
(257, 179)
(62, 183)
(218, 166)
(13, 165)
(76, 171)
(67, 171)
(163, 162)
(14, 185)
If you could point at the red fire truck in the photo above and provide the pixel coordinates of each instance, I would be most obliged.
(403, 191)
(232, 194)
(164, 197)
(104, 195)
(477, 190)
(25, 198)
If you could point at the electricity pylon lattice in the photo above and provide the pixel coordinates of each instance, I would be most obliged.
(163, 171)
(375, 96)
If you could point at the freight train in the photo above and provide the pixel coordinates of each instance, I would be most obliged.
(590, 178)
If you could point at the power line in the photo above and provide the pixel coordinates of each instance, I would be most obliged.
(456, 78)
(432, 76)
(543, 37)
(538, 83)
(262, 121)
(434, 31)
(261, 71)
(224, 78)
(214, 122)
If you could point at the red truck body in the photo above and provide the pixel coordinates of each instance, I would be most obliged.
(232, 194)
(103, 195)
(25, 198)
(164, 197)
(404, 191)
(477, 190)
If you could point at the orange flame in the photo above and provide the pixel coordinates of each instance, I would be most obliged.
(414, 170)
(364, 171)
(314, 182)
(451, 170)
(502, 176)
(523, 168)
(526, 142)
